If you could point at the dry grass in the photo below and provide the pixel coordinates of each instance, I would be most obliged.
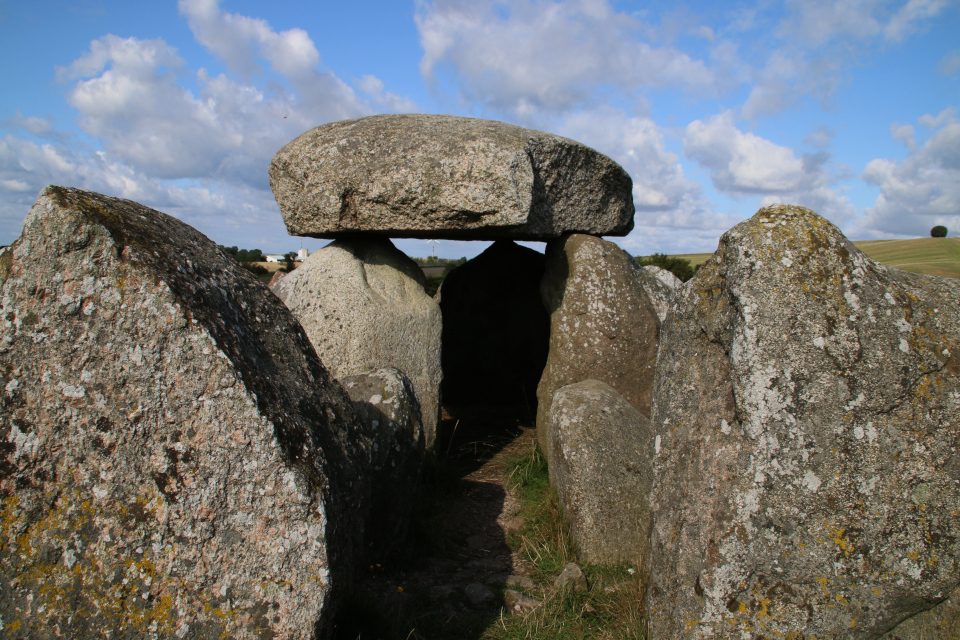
(930, 256)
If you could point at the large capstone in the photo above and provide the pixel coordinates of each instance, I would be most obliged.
(806, 410)
(363, 304)
(496, 331)
(436, 176)
(174, 460)
(602, 450)
(602, 324)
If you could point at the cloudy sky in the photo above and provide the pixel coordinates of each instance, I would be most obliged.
(849, 107)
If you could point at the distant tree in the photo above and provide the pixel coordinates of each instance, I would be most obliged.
(289, 260)
(249, 255)
(679, 267)
(938, 231)
(248, 258)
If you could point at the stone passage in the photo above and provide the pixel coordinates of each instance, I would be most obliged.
(496, 331)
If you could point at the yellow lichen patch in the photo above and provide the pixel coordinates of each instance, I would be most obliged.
(840, 538)
(73, 568)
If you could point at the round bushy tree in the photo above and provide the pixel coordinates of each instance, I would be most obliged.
(938, 231)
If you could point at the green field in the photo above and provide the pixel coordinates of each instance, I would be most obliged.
(931, 256)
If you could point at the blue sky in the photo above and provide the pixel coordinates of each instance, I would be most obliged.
(849, 107)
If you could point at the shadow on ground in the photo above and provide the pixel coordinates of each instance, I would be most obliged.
(446, 582)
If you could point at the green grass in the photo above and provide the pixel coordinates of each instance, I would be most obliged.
(929, 256)
(611, 609)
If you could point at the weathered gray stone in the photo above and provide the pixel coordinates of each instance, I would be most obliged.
(496, 332)
(941, 622)
(174, 460)
(806, 410)
(571, 578)
(275, 278)
(661, 287)
(363, 304)
(602, 325)
(387, 404)
(479, 594)
(517, 601)
(602, 451)
(435, 176)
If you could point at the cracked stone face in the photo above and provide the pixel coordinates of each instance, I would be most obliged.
(807, 471)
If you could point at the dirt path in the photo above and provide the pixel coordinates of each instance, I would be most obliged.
(447, 583)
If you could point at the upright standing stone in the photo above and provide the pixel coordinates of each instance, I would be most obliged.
(602, 451)
(435, 176)
(807, 477)
(363, 304)
(174, 460)
(496, 332)
(387, 405)
(602, 325)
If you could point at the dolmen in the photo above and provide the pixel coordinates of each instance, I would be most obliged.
(362, 182)
(774, 445)
(185, 455)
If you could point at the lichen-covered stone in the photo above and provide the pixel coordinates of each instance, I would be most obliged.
(661, 287)
(174, 460)
(807, 419)
(363, 304)
(436, 176)
(941, 622)
(496, 331)
(387, 405)
(602, 450)
(602, 325)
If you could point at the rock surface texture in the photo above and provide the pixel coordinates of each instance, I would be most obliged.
(942, 622)
(496, 331)
(602, 451)
(387, 405)
(602, 325)
(807, 455)
(661, 287)
(363, 304)
(174, 460)
(436, 176)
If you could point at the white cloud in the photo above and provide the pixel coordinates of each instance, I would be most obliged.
(523, 56)
(203, 157)
(742, 164)
(906, 20)
(236, 39)
(921, 191)
(666, 200)
(818, 41)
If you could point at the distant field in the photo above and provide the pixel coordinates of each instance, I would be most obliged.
(931, 256)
